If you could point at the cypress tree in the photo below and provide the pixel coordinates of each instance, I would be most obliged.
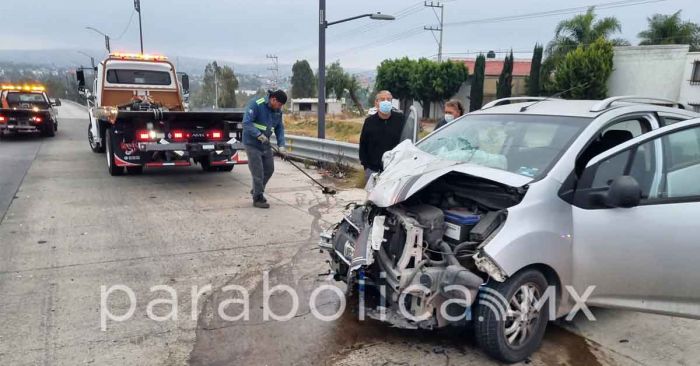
(476, 96)
(505, 80)
(533, 82)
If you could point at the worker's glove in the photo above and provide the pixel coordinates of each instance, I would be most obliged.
(282, 151)
(263, 139)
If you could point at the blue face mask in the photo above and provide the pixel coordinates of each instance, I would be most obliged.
(385, 106)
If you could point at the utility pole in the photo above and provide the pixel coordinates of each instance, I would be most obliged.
(216, 90)
(322, 24)
(137, 7)
(275, 68)
(440, 19)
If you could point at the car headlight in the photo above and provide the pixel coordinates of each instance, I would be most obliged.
(387, 158)
(371, 182)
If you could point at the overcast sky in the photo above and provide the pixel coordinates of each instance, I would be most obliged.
(245, 31)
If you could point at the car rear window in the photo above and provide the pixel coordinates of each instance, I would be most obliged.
(138, 77)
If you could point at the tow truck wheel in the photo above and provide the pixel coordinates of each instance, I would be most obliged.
(135, 170)
(509, 324)
(113, 169)
(94, 146)
(206, 166)
(226, 168)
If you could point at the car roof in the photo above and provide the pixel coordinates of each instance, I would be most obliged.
(563, 107)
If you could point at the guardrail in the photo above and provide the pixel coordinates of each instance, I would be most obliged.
(327, 151)
(330, 151)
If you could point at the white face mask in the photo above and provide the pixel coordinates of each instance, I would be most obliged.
(449, 118)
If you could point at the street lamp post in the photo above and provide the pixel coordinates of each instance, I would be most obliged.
(137, 7)
(106, 37)
(322, 25)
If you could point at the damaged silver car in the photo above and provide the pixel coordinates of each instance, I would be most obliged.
(520, 208)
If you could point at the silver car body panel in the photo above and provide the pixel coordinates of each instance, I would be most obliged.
(542, 228)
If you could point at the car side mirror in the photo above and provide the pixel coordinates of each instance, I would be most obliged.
(186, 83)
(56, 102)
(80, 75)
(624, 192)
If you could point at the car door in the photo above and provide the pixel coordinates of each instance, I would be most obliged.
(645, 257)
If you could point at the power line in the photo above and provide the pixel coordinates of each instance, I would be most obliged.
(367, 26)
(411, 32)
(126, 28)
(565, 11)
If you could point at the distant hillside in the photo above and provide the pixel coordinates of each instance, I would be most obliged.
(190, 65)
(72, 58)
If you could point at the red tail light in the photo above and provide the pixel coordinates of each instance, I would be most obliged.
(37, 119)
(180, 136)
(145, 136)
(2, 120)
(215, 135)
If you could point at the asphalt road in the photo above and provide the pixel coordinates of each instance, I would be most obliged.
(72, 229)
(16, 156)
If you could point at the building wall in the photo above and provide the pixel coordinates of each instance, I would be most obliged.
(654, 71)
(332, 107)
(690, 92)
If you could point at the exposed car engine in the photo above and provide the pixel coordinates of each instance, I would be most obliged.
(413, 257)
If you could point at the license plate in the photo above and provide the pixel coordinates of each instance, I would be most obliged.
(208, 147)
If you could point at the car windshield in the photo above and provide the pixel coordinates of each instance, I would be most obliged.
(138, 77)
(523, 144)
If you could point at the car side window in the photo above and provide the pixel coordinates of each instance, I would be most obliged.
(682, 160)
(619, 132)
(645, 170)
(609, 169)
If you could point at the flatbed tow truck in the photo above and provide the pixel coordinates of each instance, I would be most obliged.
(138, 118)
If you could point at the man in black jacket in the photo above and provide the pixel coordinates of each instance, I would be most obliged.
(381, 132)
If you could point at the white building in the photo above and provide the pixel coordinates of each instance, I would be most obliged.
(310, 106)
(663, 71)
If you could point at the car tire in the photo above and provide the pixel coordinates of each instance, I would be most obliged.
(226, 168)
(113, 169)
(501, 336)
(94, 146)
(135, 170)
(47, 130)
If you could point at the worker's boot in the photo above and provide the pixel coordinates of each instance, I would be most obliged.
(260, 202)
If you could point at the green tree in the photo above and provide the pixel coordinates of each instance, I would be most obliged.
(476, 97)
(584, 72)
(504, 86)
(354, 90)
(217, 79)
(583, 29)
(436, 81)
(533, 81)
(671, 29)
(336, 80)
(303, 80)
(227, 88)
(425, 72)
(395, 76)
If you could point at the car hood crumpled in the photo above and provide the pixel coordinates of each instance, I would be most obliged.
(411, 169)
